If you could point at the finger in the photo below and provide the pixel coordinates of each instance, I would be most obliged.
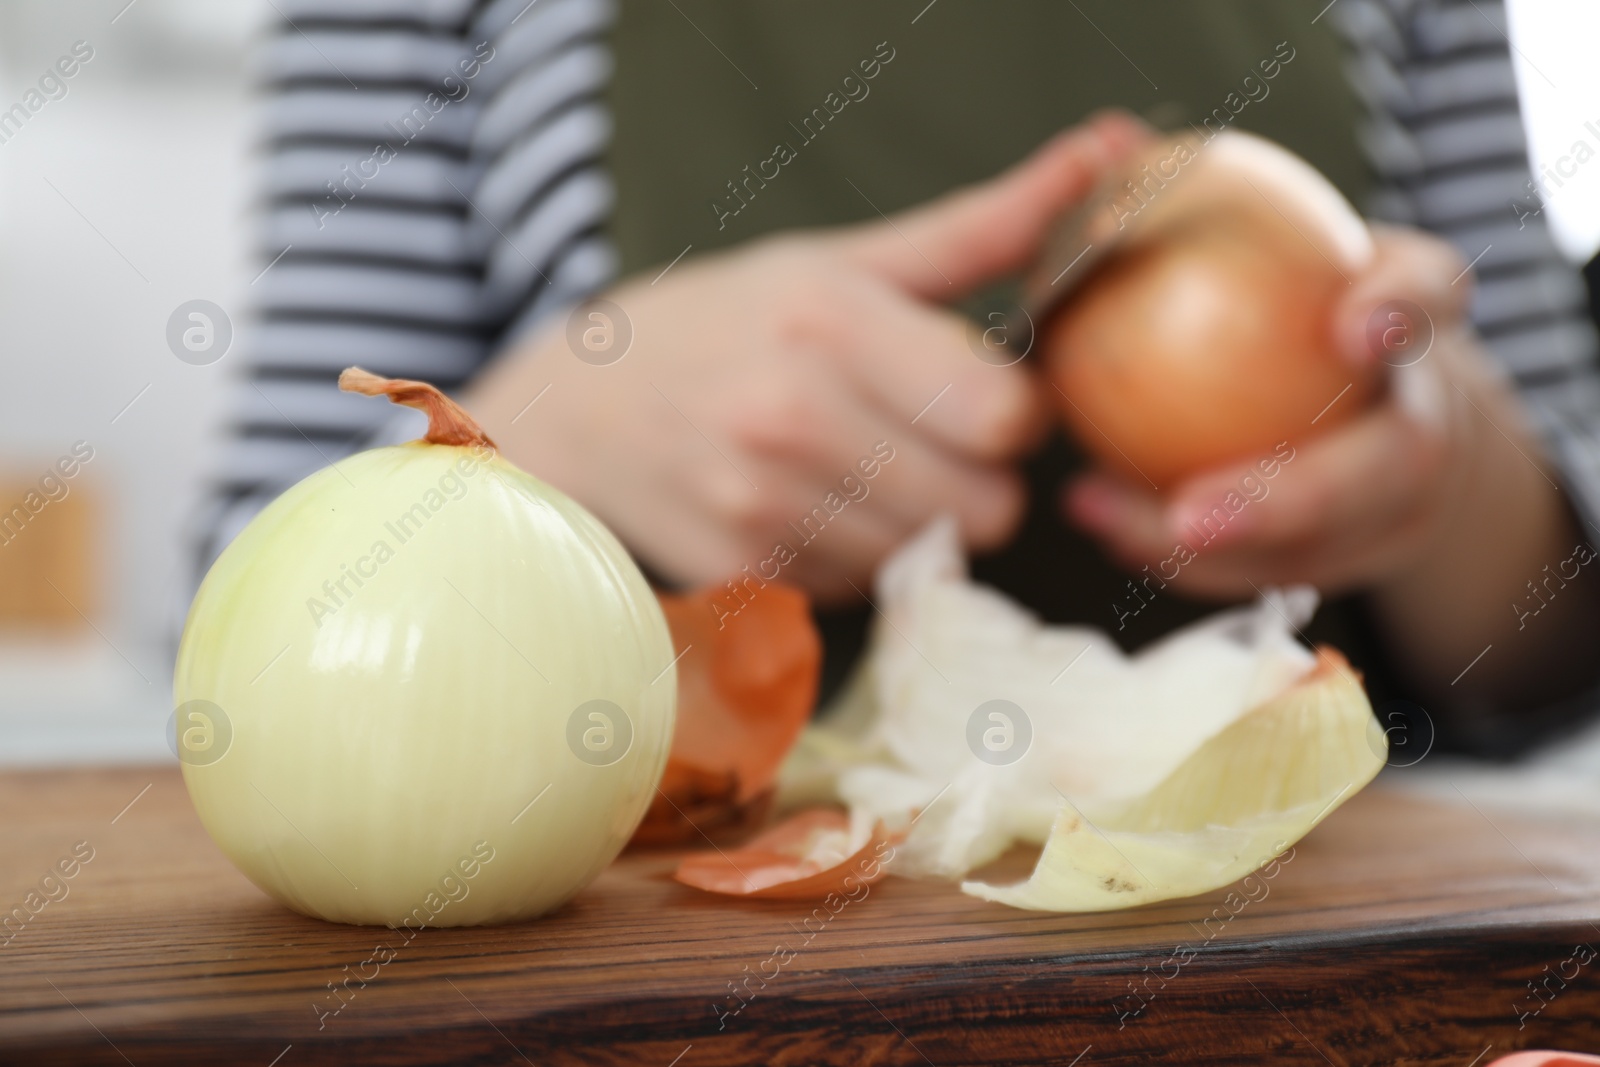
(925, 481)
(1412, 268)
(1238, 527)
(823, 437)
(1138, 543)
(841, 539)
(799, 522)
(1130, 523)
(1333, 564)
(888, 511)
(918, 364)
(703, 547)
(1361, 477)
(1132, 527)
(945, 249)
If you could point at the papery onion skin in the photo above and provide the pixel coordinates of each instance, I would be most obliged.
(424, 719)
(747, 685)
(1240, 799)
(794, 861)
(1147, 776)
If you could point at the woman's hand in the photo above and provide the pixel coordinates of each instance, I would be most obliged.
(1438, 501)
(1350, 507)
(806, 390)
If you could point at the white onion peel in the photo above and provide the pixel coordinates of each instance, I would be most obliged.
(1225, 724)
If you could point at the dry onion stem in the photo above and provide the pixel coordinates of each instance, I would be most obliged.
(448, 424)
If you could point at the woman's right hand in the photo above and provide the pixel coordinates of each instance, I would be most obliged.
(811, 376)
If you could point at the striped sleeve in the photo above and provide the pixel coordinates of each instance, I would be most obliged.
(1445, 135)
(430, 186)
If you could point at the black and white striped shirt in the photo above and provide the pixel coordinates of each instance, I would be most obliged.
(431, 187)
(485, 213)
(1445, 135)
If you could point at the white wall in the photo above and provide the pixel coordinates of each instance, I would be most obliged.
(1559, 83)
(149, 145)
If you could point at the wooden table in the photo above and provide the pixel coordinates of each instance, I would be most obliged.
(1400, 932)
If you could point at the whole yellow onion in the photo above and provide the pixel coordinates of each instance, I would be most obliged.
(422, 687)
(1202, 334)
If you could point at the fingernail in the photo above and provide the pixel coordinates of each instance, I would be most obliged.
(1397, 332)
(1095, 504)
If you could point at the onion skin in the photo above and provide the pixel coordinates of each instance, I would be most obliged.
(746, 688)
(1207, 345)
(781, 863)
(374, 747)
(448, 424)
(1258, 785)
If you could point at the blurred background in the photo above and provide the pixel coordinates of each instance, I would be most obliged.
(125, 193)
(123, 196)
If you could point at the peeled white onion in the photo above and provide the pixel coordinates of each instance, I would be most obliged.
(424, 688)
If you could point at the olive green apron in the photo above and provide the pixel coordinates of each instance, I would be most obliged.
(735, 118)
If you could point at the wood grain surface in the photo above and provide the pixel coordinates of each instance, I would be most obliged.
(1399, 932)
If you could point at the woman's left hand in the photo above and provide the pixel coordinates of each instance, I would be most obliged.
(1355, 505)
(1438, 503)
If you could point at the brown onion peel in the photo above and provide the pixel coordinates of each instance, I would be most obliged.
(746, 689)
(781, 862)
(448, 422)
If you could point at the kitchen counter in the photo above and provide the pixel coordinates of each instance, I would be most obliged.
(1400, 931)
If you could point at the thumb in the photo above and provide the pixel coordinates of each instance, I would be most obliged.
(1417, 286)
(947, 248)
